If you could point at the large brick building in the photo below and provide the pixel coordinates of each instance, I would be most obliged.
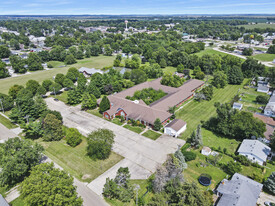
(147, 114)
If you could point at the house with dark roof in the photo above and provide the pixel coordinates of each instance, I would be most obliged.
(147, 114)
(254, 150)
(175, 127)
(239, 191)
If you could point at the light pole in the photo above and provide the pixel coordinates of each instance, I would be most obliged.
(54, 93)
(137, 187)
(27, 118)
(2, 106)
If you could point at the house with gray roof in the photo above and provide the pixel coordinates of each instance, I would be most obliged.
(239, 191)
(254, 150)
(263, 87)
(3, 201)
(237, 106)
(270, 107)
(90, 71)
(175, 127)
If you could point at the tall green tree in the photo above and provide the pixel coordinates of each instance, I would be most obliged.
(6, 101)
(34, 62)
(50, 186)
(100, 144)
(73, 137)
(88, 101)
(104, 104)
(17, 157)
(52, 128)
(269, 184)
(220, 79)
(157, 124)
(235, 75)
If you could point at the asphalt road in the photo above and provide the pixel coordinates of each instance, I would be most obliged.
(5, 133)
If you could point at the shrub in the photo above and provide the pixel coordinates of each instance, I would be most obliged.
(73, 137)
(262, 99)
(50, 65)
(243, 160)
(189, 156)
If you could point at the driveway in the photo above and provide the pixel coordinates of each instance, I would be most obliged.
(264, 197)
(142, 155)
(5, 133)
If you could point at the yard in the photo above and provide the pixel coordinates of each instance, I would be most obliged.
(265, 57)
(209, 51)
(7, 123)
(94, 62)
(151, 134)
(62, 96)
(194, 112)
(76, 162)
(133, 128)
(259, 25)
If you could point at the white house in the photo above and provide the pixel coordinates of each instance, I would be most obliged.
(270, 107)
(254, 150)
(175, 128)
(237, 106)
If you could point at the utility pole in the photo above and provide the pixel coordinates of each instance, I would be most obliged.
(54, 93)
(27, 118)
(2, 106)
(137, 187)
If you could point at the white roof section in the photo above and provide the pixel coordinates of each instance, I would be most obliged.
(255, 147)
(90, 71)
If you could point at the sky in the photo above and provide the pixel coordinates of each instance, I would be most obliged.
(116, 7)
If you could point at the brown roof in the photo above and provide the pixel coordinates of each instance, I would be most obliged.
(176, 124)
(269, 132)
(137, 111)
(157, 109)
(267, 120)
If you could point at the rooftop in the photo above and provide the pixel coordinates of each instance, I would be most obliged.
(255, 147)
(239, 191)
(176, 124)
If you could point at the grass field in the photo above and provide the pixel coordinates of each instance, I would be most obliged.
(7, 123)
(76, 162)
(209, 51)
(18, 202)
(265, 57)
(151, 134)
(62, 97)
(94, 62)
(259, 25)
(195, 112)
(133, 128)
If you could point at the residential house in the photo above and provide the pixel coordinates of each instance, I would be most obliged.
(239, 191)
(269, 123)
(89, 71)
(270, 107)
(175, 127)
(263, 87)
(254, 150)
(237, 106)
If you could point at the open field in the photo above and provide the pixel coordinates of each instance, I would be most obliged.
(259, 25)
(76, 162)
(209, 51)
(94, 62)
(195, 112)
(265, 57)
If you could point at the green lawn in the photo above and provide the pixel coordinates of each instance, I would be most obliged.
(259, 25)
(7, 123)
(195, 112)
(171, 70)
(56, 64)
(62, 97)
(133, 128)
(265, 57)
(209, 51)
(151, 134)
(76, 162)
(117, 121)
(18, 202)
(94, 62)
(212, 140)
(95, 112)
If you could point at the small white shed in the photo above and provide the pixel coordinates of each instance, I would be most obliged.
(175, 128)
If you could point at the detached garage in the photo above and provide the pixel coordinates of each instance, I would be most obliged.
(175, 128)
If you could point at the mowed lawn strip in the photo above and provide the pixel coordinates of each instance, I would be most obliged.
(151, 134)
(94, 62)
(133, 128)
(195, 112)
(265, 57)
(7, 123)
(76, 162)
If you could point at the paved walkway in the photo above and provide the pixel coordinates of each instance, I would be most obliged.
(12, 194)
(5, 133)
(142, 155)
